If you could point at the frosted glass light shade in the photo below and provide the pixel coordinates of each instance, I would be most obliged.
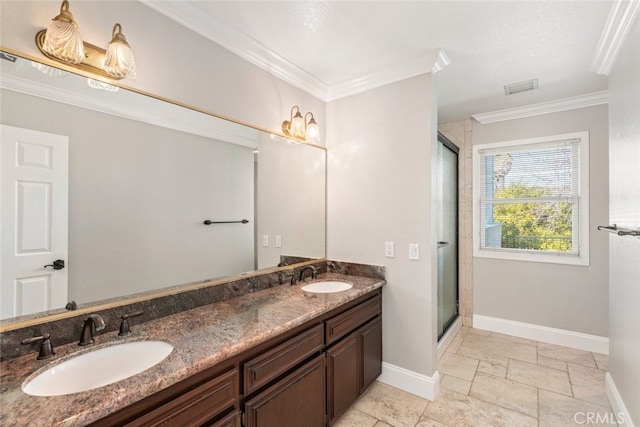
(119, 61)
(297, 126)
(62, 39)
(312, 134)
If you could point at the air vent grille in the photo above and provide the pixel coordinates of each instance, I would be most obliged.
(521, 87)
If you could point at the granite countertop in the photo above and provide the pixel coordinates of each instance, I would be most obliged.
(201, 337)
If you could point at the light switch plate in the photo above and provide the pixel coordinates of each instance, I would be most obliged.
(278, 241)
(414, 251)
(389, 250)
(265, 240)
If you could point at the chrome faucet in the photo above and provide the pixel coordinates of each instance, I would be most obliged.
(314, 272)
(91, 325)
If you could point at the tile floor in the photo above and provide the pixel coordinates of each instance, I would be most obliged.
(491, 379)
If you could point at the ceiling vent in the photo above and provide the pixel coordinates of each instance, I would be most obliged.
(521, 87)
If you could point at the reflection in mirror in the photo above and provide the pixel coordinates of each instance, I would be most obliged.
(142, 177)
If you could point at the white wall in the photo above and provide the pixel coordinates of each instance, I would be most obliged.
(172, 61)
(624, 199)
(381, 145)
(573, 298)
(138, 195)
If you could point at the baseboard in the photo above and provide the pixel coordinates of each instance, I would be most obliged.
(562, 337)
(448, 337)
(617, 405)
(409, 381)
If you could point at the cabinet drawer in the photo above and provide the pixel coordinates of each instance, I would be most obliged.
(264, 368)
(231, 420)
(196, 406)
(351, 319)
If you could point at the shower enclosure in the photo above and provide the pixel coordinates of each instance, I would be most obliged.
(447, 194)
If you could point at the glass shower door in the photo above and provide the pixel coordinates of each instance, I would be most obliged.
(447, 184)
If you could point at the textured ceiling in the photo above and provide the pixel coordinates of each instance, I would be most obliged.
(489, 43)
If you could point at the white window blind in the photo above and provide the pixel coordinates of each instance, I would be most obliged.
(530, 197)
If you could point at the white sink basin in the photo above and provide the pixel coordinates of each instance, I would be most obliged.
(98, 368)
(327, 287)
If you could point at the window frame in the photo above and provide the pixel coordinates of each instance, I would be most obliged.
(582, 258)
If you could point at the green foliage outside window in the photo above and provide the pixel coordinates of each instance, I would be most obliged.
(543, 225)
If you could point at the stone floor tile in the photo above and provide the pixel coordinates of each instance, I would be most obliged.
(579, 357)
(552, 363)
(506, 393)
(455, 344)
(455, 409)
(492, 369)
(391, 405)
(355, 418)
(428, 422)
(456, 384)
(602, 361)
(539, 376)
(488, 347)
(588, 384)
(382, 424)
(514, 339)
(458, 366)
(557, 410)
(479, 332)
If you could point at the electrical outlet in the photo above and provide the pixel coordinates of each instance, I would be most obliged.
(414, 251)
(389, 250)
(265, 240)
(278, 241)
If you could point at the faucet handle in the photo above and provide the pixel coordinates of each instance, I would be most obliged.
(46, 349)
(124, 324)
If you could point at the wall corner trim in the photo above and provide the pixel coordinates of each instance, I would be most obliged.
(411, 382)
(618, 407)
(614, 34)
(564, 104)
(577, 340)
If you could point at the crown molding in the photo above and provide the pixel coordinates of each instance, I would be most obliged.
(619, 22)
(395, 73)
(565, 104)
(190, 15)
(142, 109)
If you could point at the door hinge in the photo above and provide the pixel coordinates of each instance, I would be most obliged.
(242, 421)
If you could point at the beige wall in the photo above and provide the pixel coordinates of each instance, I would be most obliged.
(380, 153)
(624, 294)
(568, 297)
(172, 60)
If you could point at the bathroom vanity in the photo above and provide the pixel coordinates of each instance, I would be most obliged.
(276, 357)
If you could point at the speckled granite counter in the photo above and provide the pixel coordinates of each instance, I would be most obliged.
(202, 337)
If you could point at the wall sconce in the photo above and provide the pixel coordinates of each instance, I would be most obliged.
(297, 127)
(62, 42)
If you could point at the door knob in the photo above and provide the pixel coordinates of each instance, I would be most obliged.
(57, 264)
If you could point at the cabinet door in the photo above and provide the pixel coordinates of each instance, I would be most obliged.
(296, 400)
(343, 375)
(370, 336)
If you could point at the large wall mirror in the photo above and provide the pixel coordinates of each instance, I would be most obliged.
(118, 185)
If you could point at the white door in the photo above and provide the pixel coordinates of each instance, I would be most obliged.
(34, 170)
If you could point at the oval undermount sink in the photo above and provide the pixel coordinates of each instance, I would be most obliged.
(98, 368)
(327, 287)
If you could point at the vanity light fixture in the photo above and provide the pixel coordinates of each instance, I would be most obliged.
(61, 41)
(298, 128)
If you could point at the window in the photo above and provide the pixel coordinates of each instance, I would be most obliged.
(531, 199)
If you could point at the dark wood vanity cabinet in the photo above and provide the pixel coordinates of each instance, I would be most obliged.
(306, 377)
(296, 400)
(354, 362)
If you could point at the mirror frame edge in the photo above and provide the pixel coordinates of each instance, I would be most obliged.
(174, 289)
